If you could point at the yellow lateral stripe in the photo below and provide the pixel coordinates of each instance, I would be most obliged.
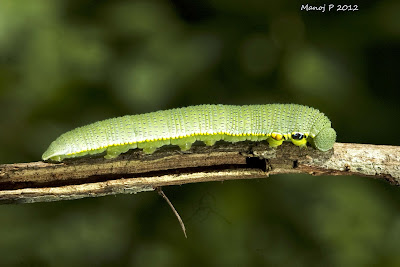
(179, 137)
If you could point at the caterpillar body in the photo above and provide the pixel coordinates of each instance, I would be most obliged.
(208, 123)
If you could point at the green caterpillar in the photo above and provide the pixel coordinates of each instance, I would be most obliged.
(208, 123)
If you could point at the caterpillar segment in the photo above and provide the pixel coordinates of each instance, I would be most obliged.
(275, 123)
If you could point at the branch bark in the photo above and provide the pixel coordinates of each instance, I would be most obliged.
(135, 172)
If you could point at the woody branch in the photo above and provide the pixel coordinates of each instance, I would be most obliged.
(135, 172)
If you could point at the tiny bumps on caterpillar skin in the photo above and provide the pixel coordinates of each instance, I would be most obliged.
(208, 123)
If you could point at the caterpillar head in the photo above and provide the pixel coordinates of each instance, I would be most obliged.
(324, 136)
(325, 139)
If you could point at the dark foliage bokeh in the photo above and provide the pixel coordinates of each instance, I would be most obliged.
(65, 64)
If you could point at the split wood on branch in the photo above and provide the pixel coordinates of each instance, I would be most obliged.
(135, 172)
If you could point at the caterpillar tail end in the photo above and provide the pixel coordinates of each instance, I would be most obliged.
(52, 154)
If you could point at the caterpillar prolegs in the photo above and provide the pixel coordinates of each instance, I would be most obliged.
(208, 123)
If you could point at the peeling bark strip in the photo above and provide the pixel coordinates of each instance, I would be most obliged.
(136, 172)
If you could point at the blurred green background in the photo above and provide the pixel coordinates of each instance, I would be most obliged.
(65, 64)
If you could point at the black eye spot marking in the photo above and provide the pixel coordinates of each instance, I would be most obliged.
(297, 136)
